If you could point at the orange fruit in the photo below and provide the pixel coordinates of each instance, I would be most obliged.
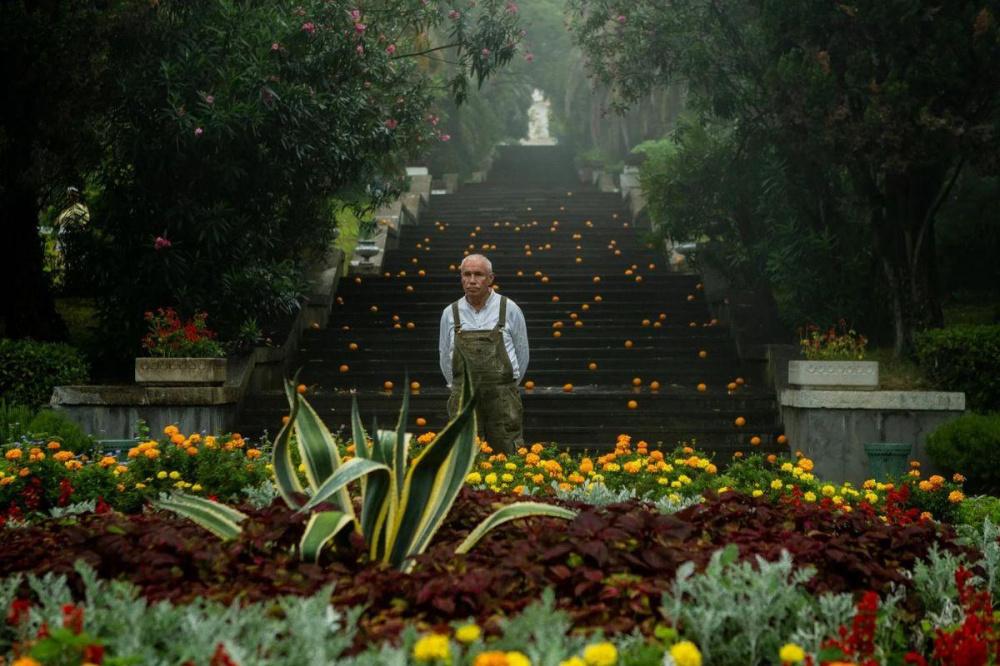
(345, 327)
(690, 297)
(529, 384)
(409, 288)
(573, 315)
(545, 279)
(414, 386)
(557, 324)
(628, 271)
(421, 421)
(597, 278)
(410, 325)
(702, 388)
(592, 366)
(632, 404)
(314, 326)
(357, 280)
(598, 299)
(781, 439)
(739, 381)
(654, 386)
(645, 322)
(344, 367)
(284, 419)
(636, 381)
(702, 354)
(662, 316)
(421, 272)
(628, 344)
(567, 388)
(579, 260)
(699, 286)
(731, 386)
(374, 308)
(652, 267)
(740, 422)
(555, 299)
(657, 324)
(340, 300)
(755, 441)
(301, 389)
(538, 274)
(578, 323)
(556, 334)
(585, 307)
(638, 278)
(353, 346)
(388, 386)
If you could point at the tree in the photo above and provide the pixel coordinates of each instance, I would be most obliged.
(897, 96)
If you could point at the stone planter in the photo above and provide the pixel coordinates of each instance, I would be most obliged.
(887, 459)
(832, 375)
(180, 371)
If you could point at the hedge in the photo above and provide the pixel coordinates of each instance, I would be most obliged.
(29, 370)
(964, 358)
(969, 445)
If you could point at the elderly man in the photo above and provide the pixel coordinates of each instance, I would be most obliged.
(489, 331)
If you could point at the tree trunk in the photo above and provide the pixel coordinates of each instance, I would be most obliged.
(28, 307)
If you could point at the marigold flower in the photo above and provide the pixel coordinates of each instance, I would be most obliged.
(53, 446)
(523, 451)
(253, 454)
(537, 448)
(73, 465)
(611, 467)
(805, 464)
(120, 469)
(191, 450)
(506, 477)
(486, 465)
(772, 458)
(517, 659)
(107, 461)
(926, 486)
(956, 496)
(492, 658)
(140, 486)
(26, 661)
(161, 474)
(777, 484)
(175, 475)
(586, 466)
(790, 653)
(565, 487)
(711, 469)
(915, 473)
(510, 466)
(196, 488)
(809, 496)
(63, 456)
(432, 647)
(958, 478)
(178, 439)
(170, 430)
(632, 467)
(787, 467)
(210, 442)
(757, 492)
(925, 515)
(914, 464)
(573, 661)
(24, 471)
(936, 479)
(656, 455)
(828, 490)
(518, 490)
(474, 478)
(686, 653)
(152, 454)
(490, 478)
(538, 479)
(468, 633)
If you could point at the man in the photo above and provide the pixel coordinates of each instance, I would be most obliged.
(486, 331)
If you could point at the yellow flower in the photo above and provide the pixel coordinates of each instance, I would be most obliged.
(506, 478)
(432, 647)
(73, 465)
(611, 467)
(871, 497)
(663, 480)
(790, 653)
(161, 474)
(777, 484)
(686, 653)
(140, 486)
(676, 484)
(175, 475)
(955, 496)
(757, 493)
(573, 661)
(491, 478)
(870, 484)
(510, 466)
(600, 654)
(474, 477)
(828, 490)
(538, 478)
(684, 478)
(674, 497)
(810, 496)
(517, 659)
(120, 469)
(711, 469)
(838, 500)
(787, 467)
(806, 476)
(196, 487)
(632, 466)
(468, 633)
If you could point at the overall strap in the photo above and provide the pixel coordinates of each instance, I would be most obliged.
(456, 320)
(502, 319)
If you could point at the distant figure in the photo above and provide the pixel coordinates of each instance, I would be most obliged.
(538, 121)
(490, 331)
(73, 219)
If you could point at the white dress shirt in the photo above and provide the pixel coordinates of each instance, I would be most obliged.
(515, 332)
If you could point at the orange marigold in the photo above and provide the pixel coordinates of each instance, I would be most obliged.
(53, 445)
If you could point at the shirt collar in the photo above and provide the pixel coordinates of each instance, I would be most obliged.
(486, 303)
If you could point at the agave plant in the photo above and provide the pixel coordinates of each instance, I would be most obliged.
(403, 501)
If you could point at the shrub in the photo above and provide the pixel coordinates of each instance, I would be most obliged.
(970, 445)
(14, 421)
(964, 358)
(52, 425)
(29, 369)
(975, 510)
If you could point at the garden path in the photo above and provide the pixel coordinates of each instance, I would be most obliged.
(565, 253)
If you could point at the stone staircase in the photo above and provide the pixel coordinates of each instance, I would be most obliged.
(604, 314)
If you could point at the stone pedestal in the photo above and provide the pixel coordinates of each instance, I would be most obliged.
(158, 371)
(832, 427)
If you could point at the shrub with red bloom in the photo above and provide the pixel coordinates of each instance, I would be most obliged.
(170, 337)
(19, 610)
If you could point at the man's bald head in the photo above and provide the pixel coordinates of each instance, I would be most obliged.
(486, 263)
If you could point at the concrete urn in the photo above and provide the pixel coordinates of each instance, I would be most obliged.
(834, 375)
(183, 371)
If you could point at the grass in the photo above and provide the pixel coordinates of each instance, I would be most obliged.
(895, 374)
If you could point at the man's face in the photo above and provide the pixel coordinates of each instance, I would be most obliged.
(476, 279)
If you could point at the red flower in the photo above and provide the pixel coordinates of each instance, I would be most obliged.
(93, 654)
(19, 609)
(73, 618)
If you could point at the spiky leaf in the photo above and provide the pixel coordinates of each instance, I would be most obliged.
(356, 468)
(221, 520)
(508, 513)
(320, 529)
(281, 459)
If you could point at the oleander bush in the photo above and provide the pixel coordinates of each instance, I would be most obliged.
(29, 370)
(964, 358)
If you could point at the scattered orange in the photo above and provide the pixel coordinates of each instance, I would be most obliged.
(702, 388)
(657, 324)
(592, 366)
(567, 388)
(645, 322)
(557, 324)
(638, 278)
(585, 307)
(632, 404)
(284, 419)
(374, 308)
(637, 381)
(702, 354)
(421, 421)
(628, 344)
(414, 386)
(731, 386)
(598, 299)
(578, 323)
(410, 325)
(344, 368)
(654, 386)
(409, 288)
(357, 280)
(388, 386)
(690, 297)
(740, 422)
(597, 278)
(755, 441)
(555, 299)
(739, 380)
(529, 384)
(353, 346)
(556, 334)
(781, 439)
(301, 388)
(662, 316)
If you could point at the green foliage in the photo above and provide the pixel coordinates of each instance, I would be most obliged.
(970, 445)
(15, 421)
(978, 508)
(964, 358)
(51, 425)
(29, 370)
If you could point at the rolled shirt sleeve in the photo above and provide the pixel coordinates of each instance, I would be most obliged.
(445, 340)
(519, 337)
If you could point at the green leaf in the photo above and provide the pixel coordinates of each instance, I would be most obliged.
(281, 459)
(508, 513)
(433, 482)
(356, 468)
(729, 554)
(221, 520)
(374, 487)
(320, 529)
(316, 445)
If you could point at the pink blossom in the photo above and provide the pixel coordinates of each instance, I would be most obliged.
(360, 28)
(621, 18)
(454, 14)
(209, 99)
(355, 15)
(486, 53)
(390, 49)
(275, 46)
(512, 7)
(198, 131)
(360, 49)
(161, 243)
(391, 123)
(445, 137)
(530, 57)
(432, 119)
(309, 27)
